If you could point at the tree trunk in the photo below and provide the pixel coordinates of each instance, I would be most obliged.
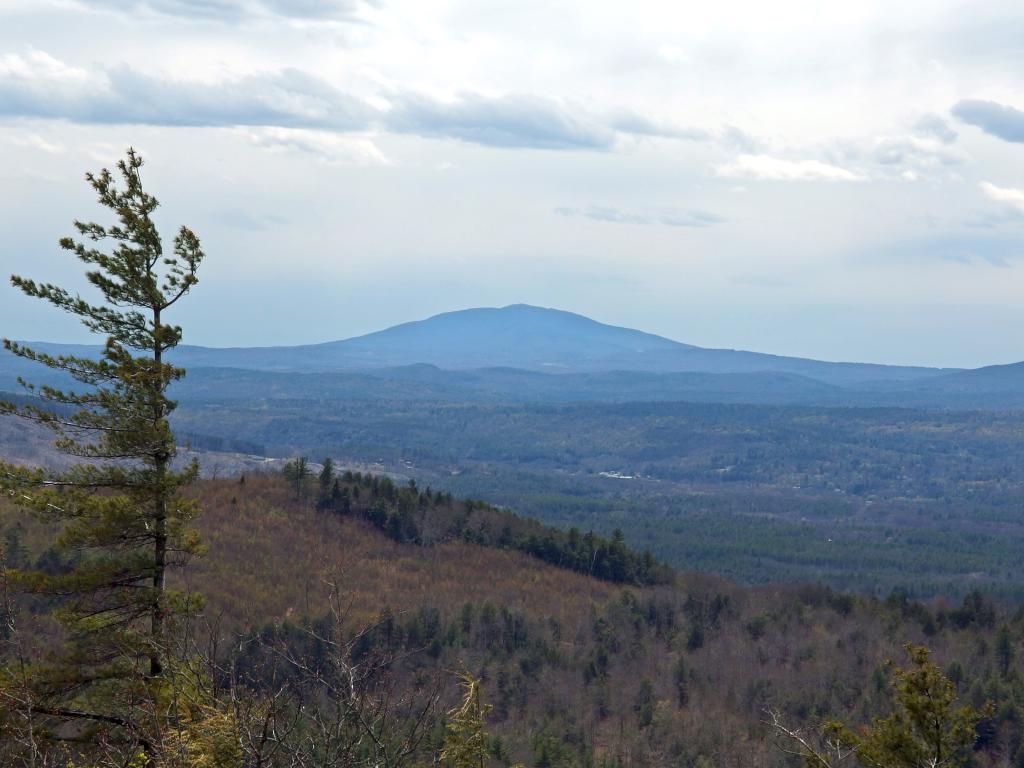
(161, 460)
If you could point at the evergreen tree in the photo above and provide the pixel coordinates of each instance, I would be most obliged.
(119, 508)
(295, 472)
(465, 741)
(14, 554)
(681, 676)
(643, 705)
(1005, 651)
(925, 730)
(326, 477)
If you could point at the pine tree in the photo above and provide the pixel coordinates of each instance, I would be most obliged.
(643, 705)
(465, 741)
(925, 730)
(119, 508)
(681, 675)
(1005, 651)
(295, 472)
(326, 477)
(14, 555)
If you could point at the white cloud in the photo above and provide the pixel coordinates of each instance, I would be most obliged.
(39, 65)
(1008, 196)
(526, 121)
(38, 85)
(330, 147)
(924, 152)
(765, 168)
(513, 120)
(35, 141)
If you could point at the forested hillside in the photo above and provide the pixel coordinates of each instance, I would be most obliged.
(580, 670)
(586, 671)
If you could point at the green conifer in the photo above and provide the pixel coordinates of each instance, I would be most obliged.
(466, 739)
(926, 729)
(119, 508)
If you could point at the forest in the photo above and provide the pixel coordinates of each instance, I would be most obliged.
(862, 499)
(578, 670)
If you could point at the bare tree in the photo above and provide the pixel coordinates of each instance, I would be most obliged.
(346, 705)
(825, 745)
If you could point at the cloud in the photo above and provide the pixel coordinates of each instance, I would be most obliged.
(639, 125)
(1009, 207)
(35, 141)
(40, 86)
(935, 127)
(318, 9)
(236, 10)
(764, 168)
(737, 138)
(525, 121)
(926, 152)
(922, 152)
(228, 10)
(691, 218)
(330, 147)
(1008, 196)
(503, 121)
(997, 119)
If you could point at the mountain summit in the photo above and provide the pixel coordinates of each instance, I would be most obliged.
(517, 336)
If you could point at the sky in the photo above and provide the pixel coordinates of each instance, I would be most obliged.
(836, 180)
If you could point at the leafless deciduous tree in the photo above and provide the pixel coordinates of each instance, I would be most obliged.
(820, 746)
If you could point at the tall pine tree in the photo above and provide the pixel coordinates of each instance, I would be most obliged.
(119, 509)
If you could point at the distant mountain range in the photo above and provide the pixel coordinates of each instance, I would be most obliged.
(503, 354)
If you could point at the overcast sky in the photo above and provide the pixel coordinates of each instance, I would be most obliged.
(838, 184)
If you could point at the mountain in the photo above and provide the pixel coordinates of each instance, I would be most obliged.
(536, 338)
(527, 338)
(517, 336)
